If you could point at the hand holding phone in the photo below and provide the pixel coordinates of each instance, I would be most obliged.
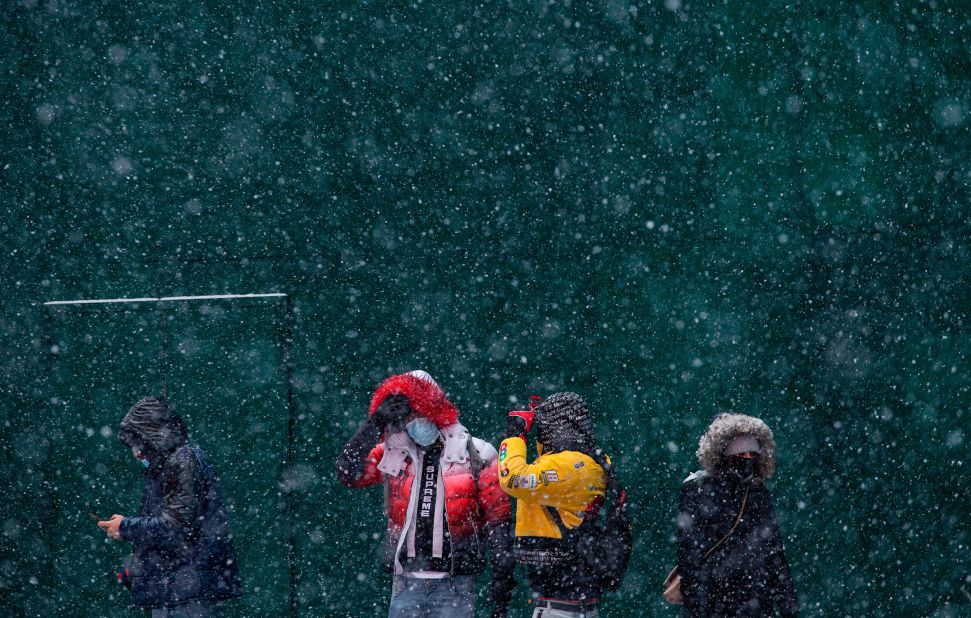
(112, 526)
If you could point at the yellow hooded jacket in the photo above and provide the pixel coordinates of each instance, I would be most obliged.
(568, 481)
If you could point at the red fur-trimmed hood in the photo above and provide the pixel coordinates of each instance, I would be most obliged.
(424, 396)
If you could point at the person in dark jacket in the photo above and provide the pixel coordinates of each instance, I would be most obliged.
(730, 553)
(183, 563)
(442, 500)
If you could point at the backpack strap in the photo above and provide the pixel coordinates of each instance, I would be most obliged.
(615, 494)
(476, 464)
(475, 461)
(554, 514)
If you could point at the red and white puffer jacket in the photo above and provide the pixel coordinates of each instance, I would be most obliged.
(471, 506)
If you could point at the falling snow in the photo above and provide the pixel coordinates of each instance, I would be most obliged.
(673, 208)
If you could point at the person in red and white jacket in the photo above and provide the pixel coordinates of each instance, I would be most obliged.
(444, 504)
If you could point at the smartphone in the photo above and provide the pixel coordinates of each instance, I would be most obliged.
(94, 517)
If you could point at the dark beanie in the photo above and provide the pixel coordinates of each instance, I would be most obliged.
(563, 424)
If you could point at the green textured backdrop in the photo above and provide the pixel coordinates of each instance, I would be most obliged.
(673, 208)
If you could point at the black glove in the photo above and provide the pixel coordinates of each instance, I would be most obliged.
(393, 409)
(516, 425)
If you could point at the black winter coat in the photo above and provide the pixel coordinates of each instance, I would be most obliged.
(748, 574)
(182, 545)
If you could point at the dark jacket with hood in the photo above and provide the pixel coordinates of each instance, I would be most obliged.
(747, 574)
(182, 546)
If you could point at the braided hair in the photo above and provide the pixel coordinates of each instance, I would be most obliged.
(563, 424)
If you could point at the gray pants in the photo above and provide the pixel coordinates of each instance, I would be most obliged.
(192, 609)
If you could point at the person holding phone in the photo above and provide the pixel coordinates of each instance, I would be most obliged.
(183, 564)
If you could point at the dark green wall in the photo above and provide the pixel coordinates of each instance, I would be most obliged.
(673, 208)
(107, 357)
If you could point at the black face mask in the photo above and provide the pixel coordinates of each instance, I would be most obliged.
(744, 467)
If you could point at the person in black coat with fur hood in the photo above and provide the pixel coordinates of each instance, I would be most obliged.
(730, 552)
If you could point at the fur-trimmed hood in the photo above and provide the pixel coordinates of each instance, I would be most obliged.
(424, 395)
(727, 427)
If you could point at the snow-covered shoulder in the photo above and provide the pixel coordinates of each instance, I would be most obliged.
(486, 450)
(698, 474)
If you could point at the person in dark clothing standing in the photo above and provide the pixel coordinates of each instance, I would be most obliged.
(183, 564)
(442, 500)
(730, 552)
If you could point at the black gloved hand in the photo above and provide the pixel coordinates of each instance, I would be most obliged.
(516, 425)
(393, 409)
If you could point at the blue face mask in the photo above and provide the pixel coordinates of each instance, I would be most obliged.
(136, 451)
(422, 431)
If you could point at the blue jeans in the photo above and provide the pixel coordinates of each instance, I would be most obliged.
(449, 597)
